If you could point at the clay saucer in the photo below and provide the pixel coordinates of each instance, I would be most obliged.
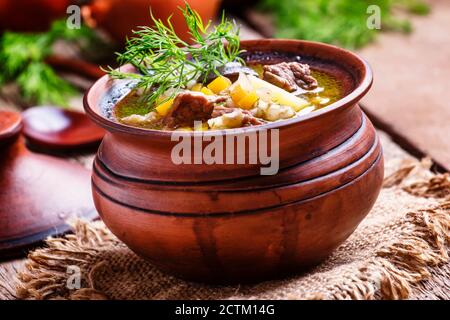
(38, 193)
(57, 128)
(10, 126)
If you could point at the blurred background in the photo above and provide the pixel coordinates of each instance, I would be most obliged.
(43, 62)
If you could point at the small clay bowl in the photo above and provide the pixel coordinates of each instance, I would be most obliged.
(61, 129)
(227, 223)
(10, 126)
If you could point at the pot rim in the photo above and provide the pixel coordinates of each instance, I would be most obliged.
(353, 97)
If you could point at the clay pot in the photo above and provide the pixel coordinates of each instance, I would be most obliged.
(38, 193)
(118, 18)
(30, 15)
(55, 128)
(225, 222)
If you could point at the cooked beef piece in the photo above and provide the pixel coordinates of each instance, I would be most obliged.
(231, 70)
(191, 106)
(220, 110)
(290, 76)
(303, 76)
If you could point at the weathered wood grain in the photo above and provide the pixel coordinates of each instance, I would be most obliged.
(412, 81)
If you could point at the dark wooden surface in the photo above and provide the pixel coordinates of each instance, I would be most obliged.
(409, 97)
(78, 66)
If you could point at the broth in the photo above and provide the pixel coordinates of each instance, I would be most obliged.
(329, 90)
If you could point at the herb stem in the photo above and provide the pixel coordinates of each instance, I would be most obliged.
(164, 61)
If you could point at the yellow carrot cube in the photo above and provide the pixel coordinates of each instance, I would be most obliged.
(197, 87)
(164, 107)
(248, 101)
(243, 98)
(219, 84)
(207, 91)
(238, 93)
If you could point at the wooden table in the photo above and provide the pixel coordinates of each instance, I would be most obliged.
(409, 97)
(9, 269)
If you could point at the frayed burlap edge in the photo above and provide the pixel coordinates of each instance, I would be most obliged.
(421, 246)
(46, 269)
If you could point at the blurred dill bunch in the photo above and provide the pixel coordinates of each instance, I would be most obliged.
(340, 22)
(22, 61)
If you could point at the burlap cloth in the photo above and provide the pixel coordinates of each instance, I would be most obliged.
(401, 250)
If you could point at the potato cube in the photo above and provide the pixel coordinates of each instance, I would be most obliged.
(279, 96)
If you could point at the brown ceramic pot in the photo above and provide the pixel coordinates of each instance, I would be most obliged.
(31, 15)
(227, 223)
(38, 193)
(119, 18)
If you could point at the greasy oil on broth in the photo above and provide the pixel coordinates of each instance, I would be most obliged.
(129, 105)
(329, 90)
(332, 89)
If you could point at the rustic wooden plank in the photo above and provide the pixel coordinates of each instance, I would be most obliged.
(246, 32)
(410, 92)
(8, 279)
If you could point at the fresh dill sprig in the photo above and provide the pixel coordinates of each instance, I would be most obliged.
(164, 61)
(22, 61)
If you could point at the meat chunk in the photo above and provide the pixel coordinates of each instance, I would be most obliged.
(226, 117)
(191, 106)
(290, 76)
(248, 117)
(303, 76)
